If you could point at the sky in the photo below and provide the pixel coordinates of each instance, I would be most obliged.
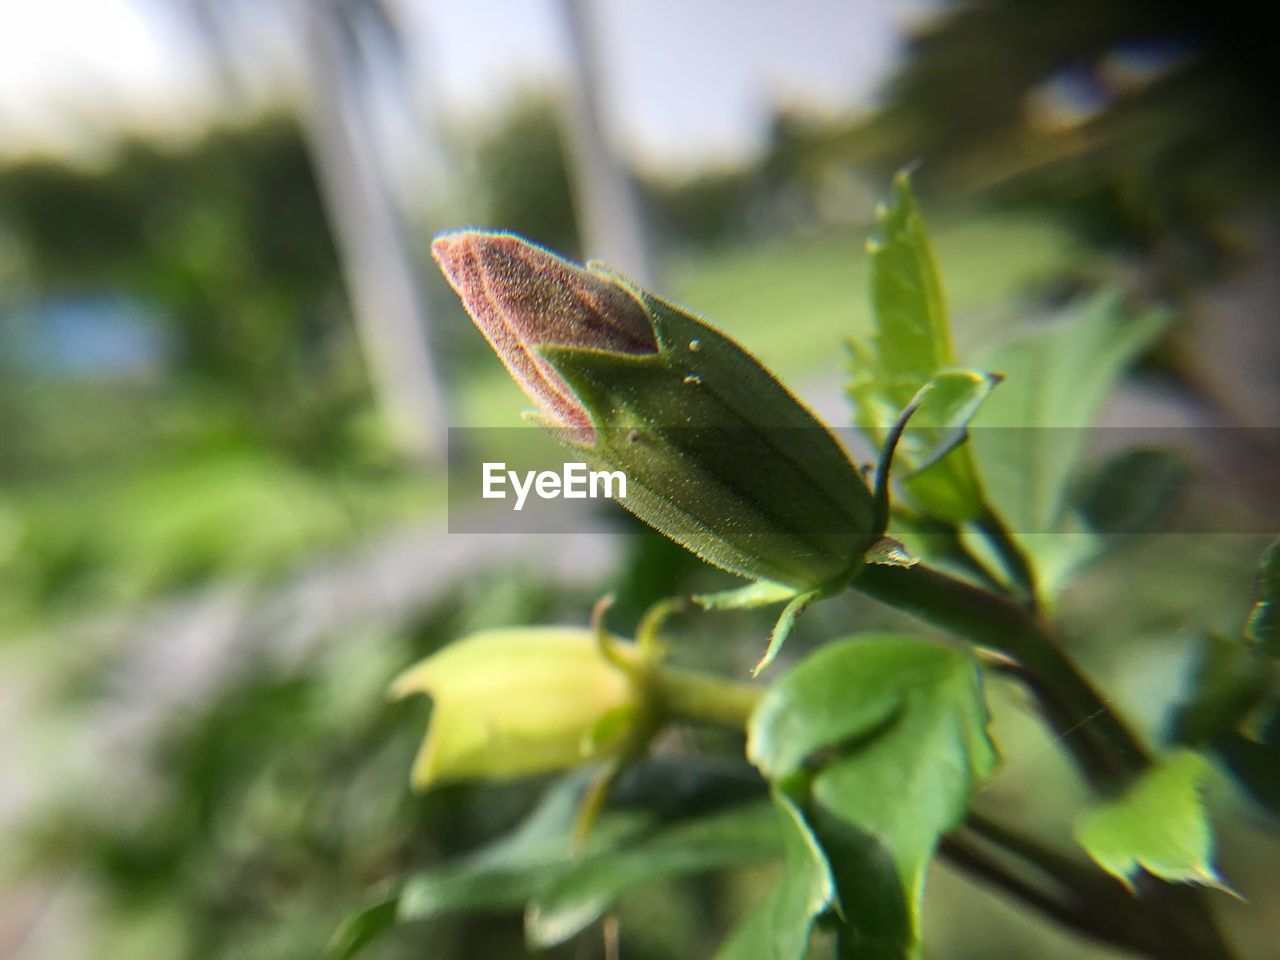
(684, 84)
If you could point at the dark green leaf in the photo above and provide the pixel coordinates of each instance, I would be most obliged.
(510, 871)
(887, 733)
(1133, 492)
(1159, 825)
(663, 816)
(362, 928)
(1254, 759)
(1228, 682)
(1231, 712)
(584, 890)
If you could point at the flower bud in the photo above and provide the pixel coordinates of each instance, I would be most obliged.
(718, 455)
(519, 701)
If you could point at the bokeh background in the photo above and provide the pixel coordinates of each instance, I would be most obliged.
(228, 367)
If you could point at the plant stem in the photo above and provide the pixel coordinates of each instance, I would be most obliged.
(1108, 753)
(992, 526)
(703, 698)
(1170, 920)
(964, 855)
(1087, 901)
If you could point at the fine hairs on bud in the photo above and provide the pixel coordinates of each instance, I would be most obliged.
(522, 297)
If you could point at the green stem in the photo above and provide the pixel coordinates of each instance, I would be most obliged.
(1172, 920)
(1086, 882)
(964, 855)
(992, 526)
(702, 698)
(1108, 753)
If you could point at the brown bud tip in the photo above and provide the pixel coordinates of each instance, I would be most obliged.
(522, 296)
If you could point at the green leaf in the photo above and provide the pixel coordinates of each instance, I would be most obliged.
(1159, 825)
(502, 875)
(912, 337)
(1263, 626)
(911, 347)
(1028, 437)
(1254, 758)
(1133, 492)
(507, 873)
(362, 928)
(1228, 683)
(940, 424)
(587, 888)
(886, 736)
(662, 815)
(779, 929)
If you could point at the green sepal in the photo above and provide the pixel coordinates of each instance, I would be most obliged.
(947, 404)
(888, 552)
(719, 456)
(782, 629)
(762, 593)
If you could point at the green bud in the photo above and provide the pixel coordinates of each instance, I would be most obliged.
(520, 701)
(718, 455)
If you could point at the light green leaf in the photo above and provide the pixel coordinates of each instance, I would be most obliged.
(1263, 626)
(1159, 825)
(586, 889)
(912, 337)
(947, 403)
(779, 928)
(889, 731)
(912, 347)
(1028, 436)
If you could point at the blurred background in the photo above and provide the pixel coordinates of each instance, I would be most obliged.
(228, 368)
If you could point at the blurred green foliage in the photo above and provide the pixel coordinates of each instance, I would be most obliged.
(274, 804)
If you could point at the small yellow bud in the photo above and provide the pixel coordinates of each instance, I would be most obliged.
(519, 701)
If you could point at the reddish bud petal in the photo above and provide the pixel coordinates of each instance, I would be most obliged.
(521, 297)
